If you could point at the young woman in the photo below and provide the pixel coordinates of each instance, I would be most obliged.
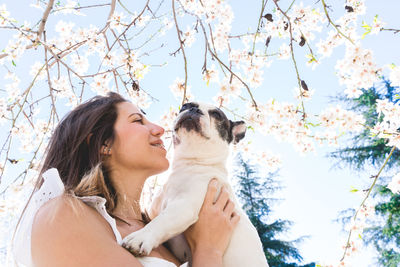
(87, 196)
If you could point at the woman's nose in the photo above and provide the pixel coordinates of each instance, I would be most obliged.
(157, 130)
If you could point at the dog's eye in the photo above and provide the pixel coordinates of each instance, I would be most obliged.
(185, 107)
(215, 114)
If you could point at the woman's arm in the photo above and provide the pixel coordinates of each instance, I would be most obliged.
(67, 232)
(209, 237)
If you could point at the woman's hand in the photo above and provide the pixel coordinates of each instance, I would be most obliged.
(209, 237)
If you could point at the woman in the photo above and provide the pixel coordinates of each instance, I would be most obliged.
(103, 151)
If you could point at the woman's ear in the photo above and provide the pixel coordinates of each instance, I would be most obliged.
(105, 150)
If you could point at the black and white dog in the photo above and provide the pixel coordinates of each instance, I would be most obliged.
(202, 134)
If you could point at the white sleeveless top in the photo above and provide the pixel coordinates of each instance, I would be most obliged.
(53, 187)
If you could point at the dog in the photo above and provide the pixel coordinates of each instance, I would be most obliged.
(202, 135)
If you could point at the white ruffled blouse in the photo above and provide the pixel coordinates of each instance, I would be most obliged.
(53, 187)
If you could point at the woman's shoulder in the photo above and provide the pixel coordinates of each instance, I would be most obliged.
(66, 209)
(66, 228)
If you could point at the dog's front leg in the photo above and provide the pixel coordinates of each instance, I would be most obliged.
(173, 220)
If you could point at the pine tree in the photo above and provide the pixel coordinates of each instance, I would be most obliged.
(366, 149)
(369, 150)
(255, 193)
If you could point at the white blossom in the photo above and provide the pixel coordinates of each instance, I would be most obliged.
(80, 63)
(116, 21)
(100, 84)
(177, 89)
(61, 87)
(377, 25)
(189, 36)
(394, 184)
(395, 75)
(64, 28)
(357, 70)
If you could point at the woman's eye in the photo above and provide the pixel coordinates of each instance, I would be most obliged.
(138, 120)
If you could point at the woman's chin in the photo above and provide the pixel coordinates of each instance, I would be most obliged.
(161, 167)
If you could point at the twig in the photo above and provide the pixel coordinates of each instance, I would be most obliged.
(81, 7)
(309, 47)
(133, 22)
(333, 24)
(225, 66)
(293, 57)
(234, 113)
(263, 4)
(393, 30)
(178, 31)
(48, 78)
(113, 71)
(287, 10)
(365, 198)
(125, 30)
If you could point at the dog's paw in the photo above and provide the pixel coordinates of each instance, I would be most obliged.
(140, 243)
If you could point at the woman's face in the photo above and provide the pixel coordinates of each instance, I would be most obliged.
(137, 145)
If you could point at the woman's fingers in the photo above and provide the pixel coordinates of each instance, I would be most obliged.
(228, 210)
(235, 219)
(223, 199)
(222, 203)
(216, 221)
(211, 192)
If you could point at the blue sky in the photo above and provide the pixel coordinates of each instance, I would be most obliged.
(313, 192)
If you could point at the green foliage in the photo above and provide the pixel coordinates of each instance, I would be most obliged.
(386, 237)
(255, 193)
(365, 149)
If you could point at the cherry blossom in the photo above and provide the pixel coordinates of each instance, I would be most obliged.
(395, 75)
(394, 185)
(100, 84)
(116, 22)
(357, 70)
(80, 63)
(178, 87)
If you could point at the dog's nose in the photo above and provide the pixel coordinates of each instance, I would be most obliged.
(195, 110)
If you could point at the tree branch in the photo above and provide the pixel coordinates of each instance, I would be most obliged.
(293, 57)
(365, 198)
(44, 19)
(178, 31)
(333, 24)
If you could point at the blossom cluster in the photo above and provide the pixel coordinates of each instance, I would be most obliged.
(336, 121)
(390, 123)
(283, 121)
(357, 70)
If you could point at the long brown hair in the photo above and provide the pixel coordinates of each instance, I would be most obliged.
(75, 146)
(75, 151)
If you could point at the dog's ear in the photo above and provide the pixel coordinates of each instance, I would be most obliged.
(238, 129)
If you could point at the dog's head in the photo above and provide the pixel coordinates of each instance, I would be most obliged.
(205, 128)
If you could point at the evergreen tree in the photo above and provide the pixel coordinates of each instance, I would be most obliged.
(365, 149)
(254, 192)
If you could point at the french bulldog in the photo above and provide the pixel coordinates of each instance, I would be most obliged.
(202, 135)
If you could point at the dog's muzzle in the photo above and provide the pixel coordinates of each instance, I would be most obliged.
(189, 120)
